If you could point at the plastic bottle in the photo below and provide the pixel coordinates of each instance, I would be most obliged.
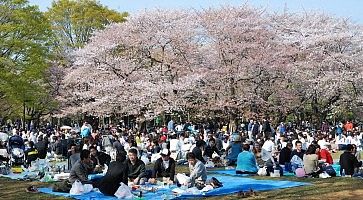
(343, 173)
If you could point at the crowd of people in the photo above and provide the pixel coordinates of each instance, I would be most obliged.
(250, 148)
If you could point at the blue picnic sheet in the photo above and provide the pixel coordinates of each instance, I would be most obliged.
(232, 172)
(14, 176)
(231, 184)
(27, 175)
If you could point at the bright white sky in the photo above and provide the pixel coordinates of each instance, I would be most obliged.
(342, 8)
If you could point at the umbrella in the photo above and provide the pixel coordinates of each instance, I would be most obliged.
(65, 128)
(4, 136)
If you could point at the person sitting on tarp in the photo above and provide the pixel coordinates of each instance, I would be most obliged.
(284, 157)
(211, 148)
(79, 172)
(246, 161)
(198, 172)
(82, 168)
(324, 155)
(73, 156)
(136, 168)
(31, 154)
(198, 150)
(99, 159)
(164, 167)
(348, 162)
(296, 157)
(311, 162)
(57, 149)
(116, 173)
(233, 150)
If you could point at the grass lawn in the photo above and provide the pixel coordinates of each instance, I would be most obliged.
(331, 188)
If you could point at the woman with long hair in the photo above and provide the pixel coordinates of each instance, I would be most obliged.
(311, 161)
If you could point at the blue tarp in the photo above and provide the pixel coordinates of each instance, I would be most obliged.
(231, 184)
(232, 172)
(25, 175)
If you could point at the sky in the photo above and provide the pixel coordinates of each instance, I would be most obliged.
(351, 9)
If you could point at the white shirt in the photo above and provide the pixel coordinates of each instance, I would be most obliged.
(179, 128)
(225, 144)
(349, 140)
(268, 146)
(166, 164)
(174, 145)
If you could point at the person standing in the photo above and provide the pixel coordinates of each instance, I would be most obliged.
(86, 130)
(42, 147)
(171, 125)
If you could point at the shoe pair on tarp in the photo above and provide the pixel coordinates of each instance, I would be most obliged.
(216, 183)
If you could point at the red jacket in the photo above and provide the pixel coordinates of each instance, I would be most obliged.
(325, 154)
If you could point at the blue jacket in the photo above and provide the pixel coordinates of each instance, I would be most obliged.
(246, 162)
(236, 148)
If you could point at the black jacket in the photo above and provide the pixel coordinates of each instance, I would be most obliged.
(137, 170)
(210, 150)
(284, 156)
(300, 154)
(116, 173)
(160, 171)
(103, 159)
(42, 147)
(348, 162)
(198, 154)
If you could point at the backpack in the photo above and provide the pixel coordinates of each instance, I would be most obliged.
(331, 171)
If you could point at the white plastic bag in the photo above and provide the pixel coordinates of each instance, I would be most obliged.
(87, 188)
(182, 178)
(207, 188)
(262, 171)
(123, 192)
(77, 188)
(209, 164)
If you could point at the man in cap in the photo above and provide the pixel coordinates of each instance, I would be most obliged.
(164, 167)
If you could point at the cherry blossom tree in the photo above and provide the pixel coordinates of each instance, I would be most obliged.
(326, 62)
(231, 60)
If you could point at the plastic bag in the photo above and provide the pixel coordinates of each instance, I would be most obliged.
(47, 178)
(87, 188)
(182, 178)
(123, 192)
(207, 188)
(77, 188)
(5, 170)
(209, 164)
(262, 171)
